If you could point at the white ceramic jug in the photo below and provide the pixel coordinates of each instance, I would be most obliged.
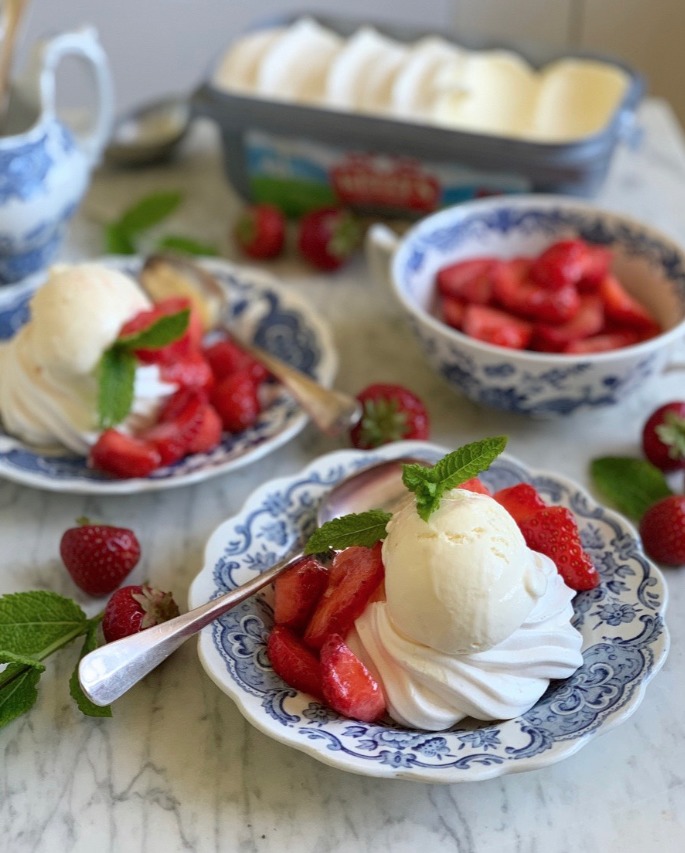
(45, 164)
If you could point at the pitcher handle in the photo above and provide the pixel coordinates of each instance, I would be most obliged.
(83, 43)
(380, 246)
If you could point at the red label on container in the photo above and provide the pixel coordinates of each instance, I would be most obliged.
(362, 179)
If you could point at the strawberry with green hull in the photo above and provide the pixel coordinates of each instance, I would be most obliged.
(390, 413)
(328, 237)
(663, 436)
(260, 231)
(134, 608)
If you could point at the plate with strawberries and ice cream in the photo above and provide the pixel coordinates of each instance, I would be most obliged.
(105, 390)
(496, 620)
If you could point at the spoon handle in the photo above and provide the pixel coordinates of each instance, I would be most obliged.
(110, 671)
(333, 412)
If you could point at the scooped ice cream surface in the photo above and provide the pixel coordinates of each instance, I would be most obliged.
(48, 382)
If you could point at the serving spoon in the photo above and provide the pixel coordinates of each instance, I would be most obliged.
(110, 671)
(165, 274)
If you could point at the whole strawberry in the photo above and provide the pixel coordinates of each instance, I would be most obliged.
(99, 556)
(133, 608)
(663, 436)
(260, 231)
(327, 237)
(662, 529)
(390, 413)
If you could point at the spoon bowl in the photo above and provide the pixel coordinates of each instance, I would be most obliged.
(110, 671)
(165, 274)
(149, 134)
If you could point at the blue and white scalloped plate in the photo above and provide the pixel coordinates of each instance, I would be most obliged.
(262, 311)
(625, 639)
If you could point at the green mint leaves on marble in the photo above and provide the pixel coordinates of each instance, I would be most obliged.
(632, 485)
(117, 368)
(429, 483)
(363, 528)
(34, 625)
(122, 236)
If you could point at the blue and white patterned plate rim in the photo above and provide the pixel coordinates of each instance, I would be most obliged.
(624, 619)
(253, 290)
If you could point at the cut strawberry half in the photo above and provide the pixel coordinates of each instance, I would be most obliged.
(173, 436)
(297, 665)
(553, 531)
(521, 501)
(354, 576)
(571, 262)
(496, 327)
(470, 280)
(452, 311)
(588, 321)
(191, 340)
(475, 484)
(624, 309)
(226, 357)
(297, 592)
(123, 455)
(604, 342)
(190, 370)
(236, 401)
(209, 432)
(348, 686)
(515, 291)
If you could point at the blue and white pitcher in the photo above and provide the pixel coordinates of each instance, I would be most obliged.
(45, 165)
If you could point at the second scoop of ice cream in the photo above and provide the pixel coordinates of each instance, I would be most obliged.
(462, 581)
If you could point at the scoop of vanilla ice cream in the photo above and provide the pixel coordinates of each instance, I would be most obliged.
(462, 581)
(48, 381)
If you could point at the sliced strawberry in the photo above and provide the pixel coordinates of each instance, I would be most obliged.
(297, 665)
(496, 327)
(571, 262)
(123, 455)
(624, 309)
(604, 342)
(173, 437)
(588, 321)
(553, 531)
(191, 340)
(358, 572)
(236, 401)
(297, 592)
(518, 293)
(209, 432)
(226, 357)
(521, 501)
(470, 281)
(190, 370)
(452, 311)
(475, 484)
(348, 686)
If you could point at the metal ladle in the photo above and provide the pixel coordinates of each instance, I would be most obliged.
(110, 671)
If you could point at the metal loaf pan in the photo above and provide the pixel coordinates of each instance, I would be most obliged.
(300, 156)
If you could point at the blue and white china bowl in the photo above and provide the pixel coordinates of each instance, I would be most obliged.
(262, 311)
(625, 639)
(651, 266)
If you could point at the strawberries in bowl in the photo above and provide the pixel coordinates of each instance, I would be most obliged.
(539, 305)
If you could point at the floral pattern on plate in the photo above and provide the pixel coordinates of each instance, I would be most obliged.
(264, 312)
(625, 639)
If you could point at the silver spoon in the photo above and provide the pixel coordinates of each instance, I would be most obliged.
(149, 134)
(165, 274)
(108, 672)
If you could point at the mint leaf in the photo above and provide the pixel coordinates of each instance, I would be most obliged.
(164, 331)
(19, 691)
(186, 245)
(118, 241)
(90, 709)
(632, 485)
(363, 528)
(429, 483)
(148, 212)
(37, 623)
(116, 377)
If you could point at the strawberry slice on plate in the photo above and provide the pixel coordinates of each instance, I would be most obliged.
(348, 686)
(297, 665)
(521, 501)
(297, 592)
(553, 531)
(123, 455)
(354, 576)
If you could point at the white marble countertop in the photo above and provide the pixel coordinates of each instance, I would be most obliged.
(177, 768)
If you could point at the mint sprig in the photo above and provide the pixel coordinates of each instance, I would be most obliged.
(429, 483)
(631, 484)
(117, 367)
(362, 528)
(34, 625)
